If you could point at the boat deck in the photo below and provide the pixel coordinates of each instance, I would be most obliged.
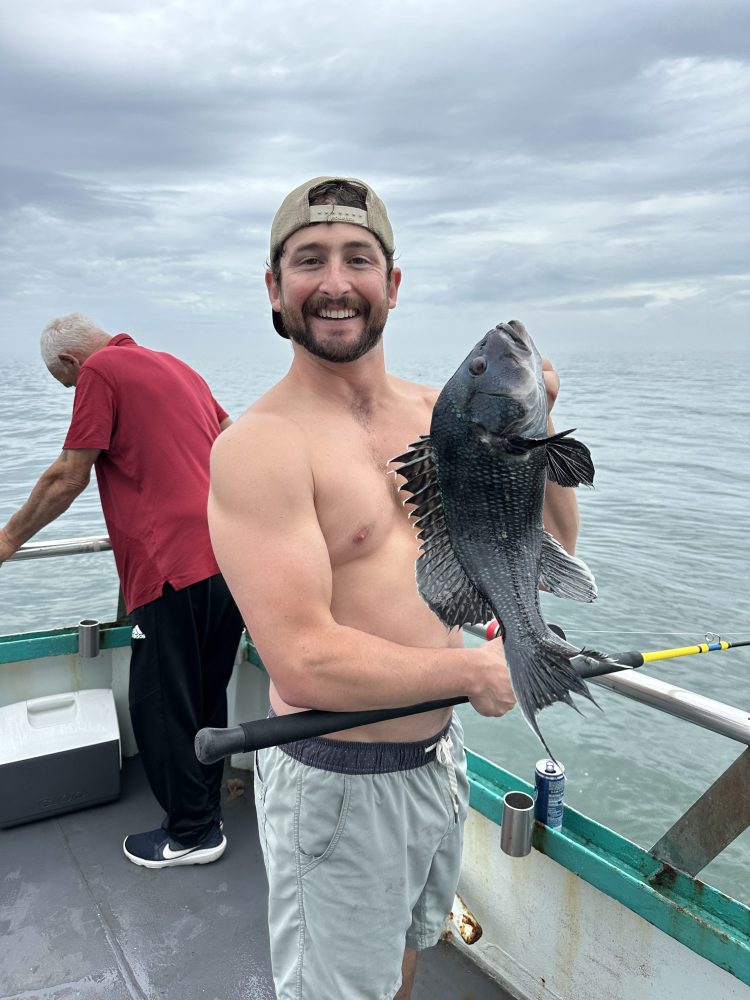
(77, 920)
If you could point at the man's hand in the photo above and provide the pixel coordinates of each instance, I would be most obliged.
(494, 695)
(7, 548)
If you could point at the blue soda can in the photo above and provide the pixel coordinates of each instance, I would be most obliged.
(549, 778)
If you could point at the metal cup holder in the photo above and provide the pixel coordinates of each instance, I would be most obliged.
(518, 824)
(88, 638)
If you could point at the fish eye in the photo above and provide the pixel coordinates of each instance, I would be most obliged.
(478, 365)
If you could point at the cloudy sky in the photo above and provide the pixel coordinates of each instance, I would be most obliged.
(581, 165)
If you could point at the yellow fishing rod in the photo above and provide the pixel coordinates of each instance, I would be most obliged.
(594, 666)
(632, 660)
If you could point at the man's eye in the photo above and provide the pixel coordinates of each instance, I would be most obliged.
(307, 261)
(360, 260)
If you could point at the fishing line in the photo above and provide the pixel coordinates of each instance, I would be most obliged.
(709, 636)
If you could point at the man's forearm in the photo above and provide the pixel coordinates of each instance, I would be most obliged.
(561, 510)
(51, 496)
(561, 515)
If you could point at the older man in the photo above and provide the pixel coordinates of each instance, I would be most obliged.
(146, 422)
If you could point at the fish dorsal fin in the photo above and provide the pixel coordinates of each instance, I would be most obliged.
(565, 575)
(569, 462)
(441, 579)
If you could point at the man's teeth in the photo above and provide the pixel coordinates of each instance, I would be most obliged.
(337, 313)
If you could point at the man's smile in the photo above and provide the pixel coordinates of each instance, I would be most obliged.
(337, 313)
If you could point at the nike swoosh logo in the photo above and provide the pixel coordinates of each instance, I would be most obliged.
(169, 854)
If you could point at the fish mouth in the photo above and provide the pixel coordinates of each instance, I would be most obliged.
(517, 333)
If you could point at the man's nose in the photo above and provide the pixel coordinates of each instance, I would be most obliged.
(335, 281)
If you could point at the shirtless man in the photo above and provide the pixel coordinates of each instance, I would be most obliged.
(361, 832)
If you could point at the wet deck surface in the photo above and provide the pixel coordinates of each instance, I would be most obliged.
(77, 920)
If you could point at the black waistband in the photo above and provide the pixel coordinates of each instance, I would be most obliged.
(360, 757)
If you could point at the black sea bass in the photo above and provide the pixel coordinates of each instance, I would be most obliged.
(478, 483)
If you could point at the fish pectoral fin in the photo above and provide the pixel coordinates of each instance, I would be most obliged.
(569, 462)
(565, 575)
(516, 444)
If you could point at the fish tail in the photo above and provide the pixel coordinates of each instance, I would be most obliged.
(542, 674)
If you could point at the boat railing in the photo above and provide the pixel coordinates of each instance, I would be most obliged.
(707, 713)
(64, 547)
(716, 716)
(70, 547)
(720, 815)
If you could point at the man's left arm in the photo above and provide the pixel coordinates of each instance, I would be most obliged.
(560, 503)
(55, 491)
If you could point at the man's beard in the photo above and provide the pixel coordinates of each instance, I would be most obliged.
(298, 329)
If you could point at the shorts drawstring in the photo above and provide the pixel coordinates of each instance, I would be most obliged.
(444, 756)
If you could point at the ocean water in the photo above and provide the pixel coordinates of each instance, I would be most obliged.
(665, 531)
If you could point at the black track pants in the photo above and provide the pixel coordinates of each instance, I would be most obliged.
(179, 671)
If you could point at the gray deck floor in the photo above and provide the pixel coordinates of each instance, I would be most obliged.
(77, 920)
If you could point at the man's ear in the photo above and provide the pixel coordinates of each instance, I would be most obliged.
(274, 292)
(393, 287)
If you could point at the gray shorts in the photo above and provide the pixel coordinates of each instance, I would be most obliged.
(362, 844)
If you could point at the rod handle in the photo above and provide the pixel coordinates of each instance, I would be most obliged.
(612, 665)
(213, 744)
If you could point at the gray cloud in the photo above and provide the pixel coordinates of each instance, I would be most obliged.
(550, 161)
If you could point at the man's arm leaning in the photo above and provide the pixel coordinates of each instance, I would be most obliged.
(54, 492)
(271, 550)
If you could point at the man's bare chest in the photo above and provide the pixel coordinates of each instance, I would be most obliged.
(357, 497)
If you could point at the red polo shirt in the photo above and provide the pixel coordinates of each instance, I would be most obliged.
(154, 420)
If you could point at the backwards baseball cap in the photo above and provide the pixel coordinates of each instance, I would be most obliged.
(296, 212)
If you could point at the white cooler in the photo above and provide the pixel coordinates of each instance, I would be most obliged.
(57, 754)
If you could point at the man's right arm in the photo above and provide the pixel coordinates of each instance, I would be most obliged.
(269, 545)
(55, 491)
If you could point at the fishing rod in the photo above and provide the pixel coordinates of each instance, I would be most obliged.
(613, 662)
(213, 744)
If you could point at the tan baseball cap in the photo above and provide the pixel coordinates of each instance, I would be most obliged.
(296, 212)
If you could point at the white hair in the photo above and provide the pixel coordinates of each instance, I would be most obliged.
(70, 334)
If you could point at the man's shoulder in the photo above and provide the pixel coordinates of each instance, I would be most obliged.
(263, 456)
(260, 419)
(261, 430)
(123, 363)
(416, 391)
(113, 358)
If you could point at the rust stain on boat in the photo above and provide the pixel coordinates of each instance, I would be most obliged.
(466, 923)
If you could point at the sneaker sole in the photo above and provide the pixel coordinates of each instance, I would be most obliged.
(201, 857)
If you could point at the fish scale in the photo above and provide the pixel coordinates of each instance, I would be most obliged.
(477, 486)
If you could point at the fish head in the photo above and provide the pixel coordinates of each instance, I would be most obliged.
(500, 385)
